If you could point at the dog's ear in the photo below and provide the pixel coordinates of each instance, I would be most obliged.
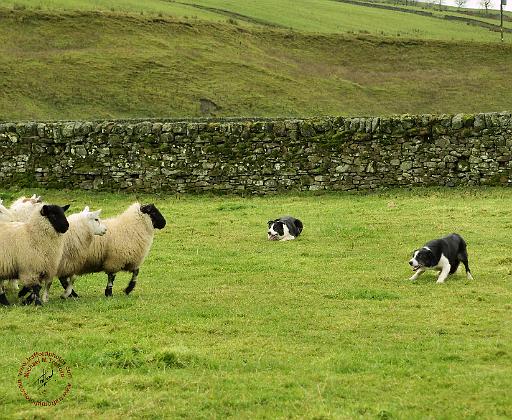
(431, 258)
(269, 223)
(414, 252)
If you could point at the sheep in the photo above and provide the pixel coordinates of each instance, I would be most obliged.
(23, 207)
(5, 216)
(5, 213)
(123, 248)
(31, 251)
(19, 211)
(82, 228)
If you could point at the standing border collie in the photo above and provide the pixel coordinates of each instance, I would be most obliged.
(285, 228)
(443, 254)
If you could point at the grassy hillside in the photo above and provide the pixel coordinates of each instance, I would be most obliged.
(91, 65)
(325, 16)
(329, 16)
(225, 324)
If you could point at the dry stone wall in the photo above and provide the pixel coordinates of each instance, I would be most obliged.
(259, 156)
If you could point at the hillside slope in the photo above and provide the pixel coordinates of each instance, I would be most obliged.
(81, 65)
(324, 16)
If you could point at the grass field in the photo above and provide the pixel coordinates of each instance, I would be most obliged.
(224, 323)
(324, 16)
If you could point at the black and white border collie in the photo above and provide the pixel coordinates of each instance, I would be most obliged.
(285, 228)
(443, 255)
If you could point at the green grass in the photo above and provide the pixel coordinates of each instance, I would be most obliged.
(328, 16)
(149, 7)
(224, 323)
(83, 65)
(325, 16)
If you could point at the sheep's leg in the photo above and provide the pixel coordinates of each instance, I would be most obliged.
(3, 298)
(72, 283)
(35, 292)
(64, 281)
(30, 298)
(33, 296)
(24, 290)
(133, 281)
(67, 283)
(110, 284)
(46, 291)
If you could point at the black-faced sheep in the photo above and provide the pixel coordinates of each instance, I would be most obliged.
(123, 248)
(30, 251)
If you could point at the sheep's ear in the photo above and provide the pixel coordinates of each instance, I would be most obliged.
(1, 201)
(64, 208)
(34, 197)
(44, 210)
(86, 209)
(96, 213)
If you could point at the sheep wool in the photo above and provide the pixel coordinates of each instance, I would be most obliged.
(5, 213)
(31, 251)
(23, 207)
(82, 228)
(125, 245)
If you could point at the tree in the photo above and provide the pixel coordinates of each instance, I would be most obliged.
(486, 4)
(460, 3)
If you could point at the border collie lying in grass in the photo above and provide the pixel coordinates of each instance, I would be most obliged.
(443, 255)
(285, 228)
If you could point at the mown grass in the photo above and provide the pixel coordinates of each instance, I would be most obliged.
(224, 323)
(83, 65)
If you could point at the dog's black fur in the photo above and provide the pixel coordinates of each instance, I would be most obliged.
(276, 229)
(453, 247)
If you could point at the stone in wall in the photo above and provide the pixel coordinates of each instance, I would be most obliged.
(260, 156)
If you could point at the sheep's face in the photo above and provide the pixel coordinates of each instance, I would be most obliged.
(94, 222)
(55, 215)
(156, 217)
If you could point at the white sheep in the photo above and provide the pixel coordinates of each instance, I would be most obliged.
(23, 207)
(5, 213)
(82, 228)
(19, 211)
(123, 248)
(31, 251)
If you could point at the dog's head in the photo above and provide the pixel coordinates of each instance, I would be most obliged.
(421, 258)
(275, 230)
